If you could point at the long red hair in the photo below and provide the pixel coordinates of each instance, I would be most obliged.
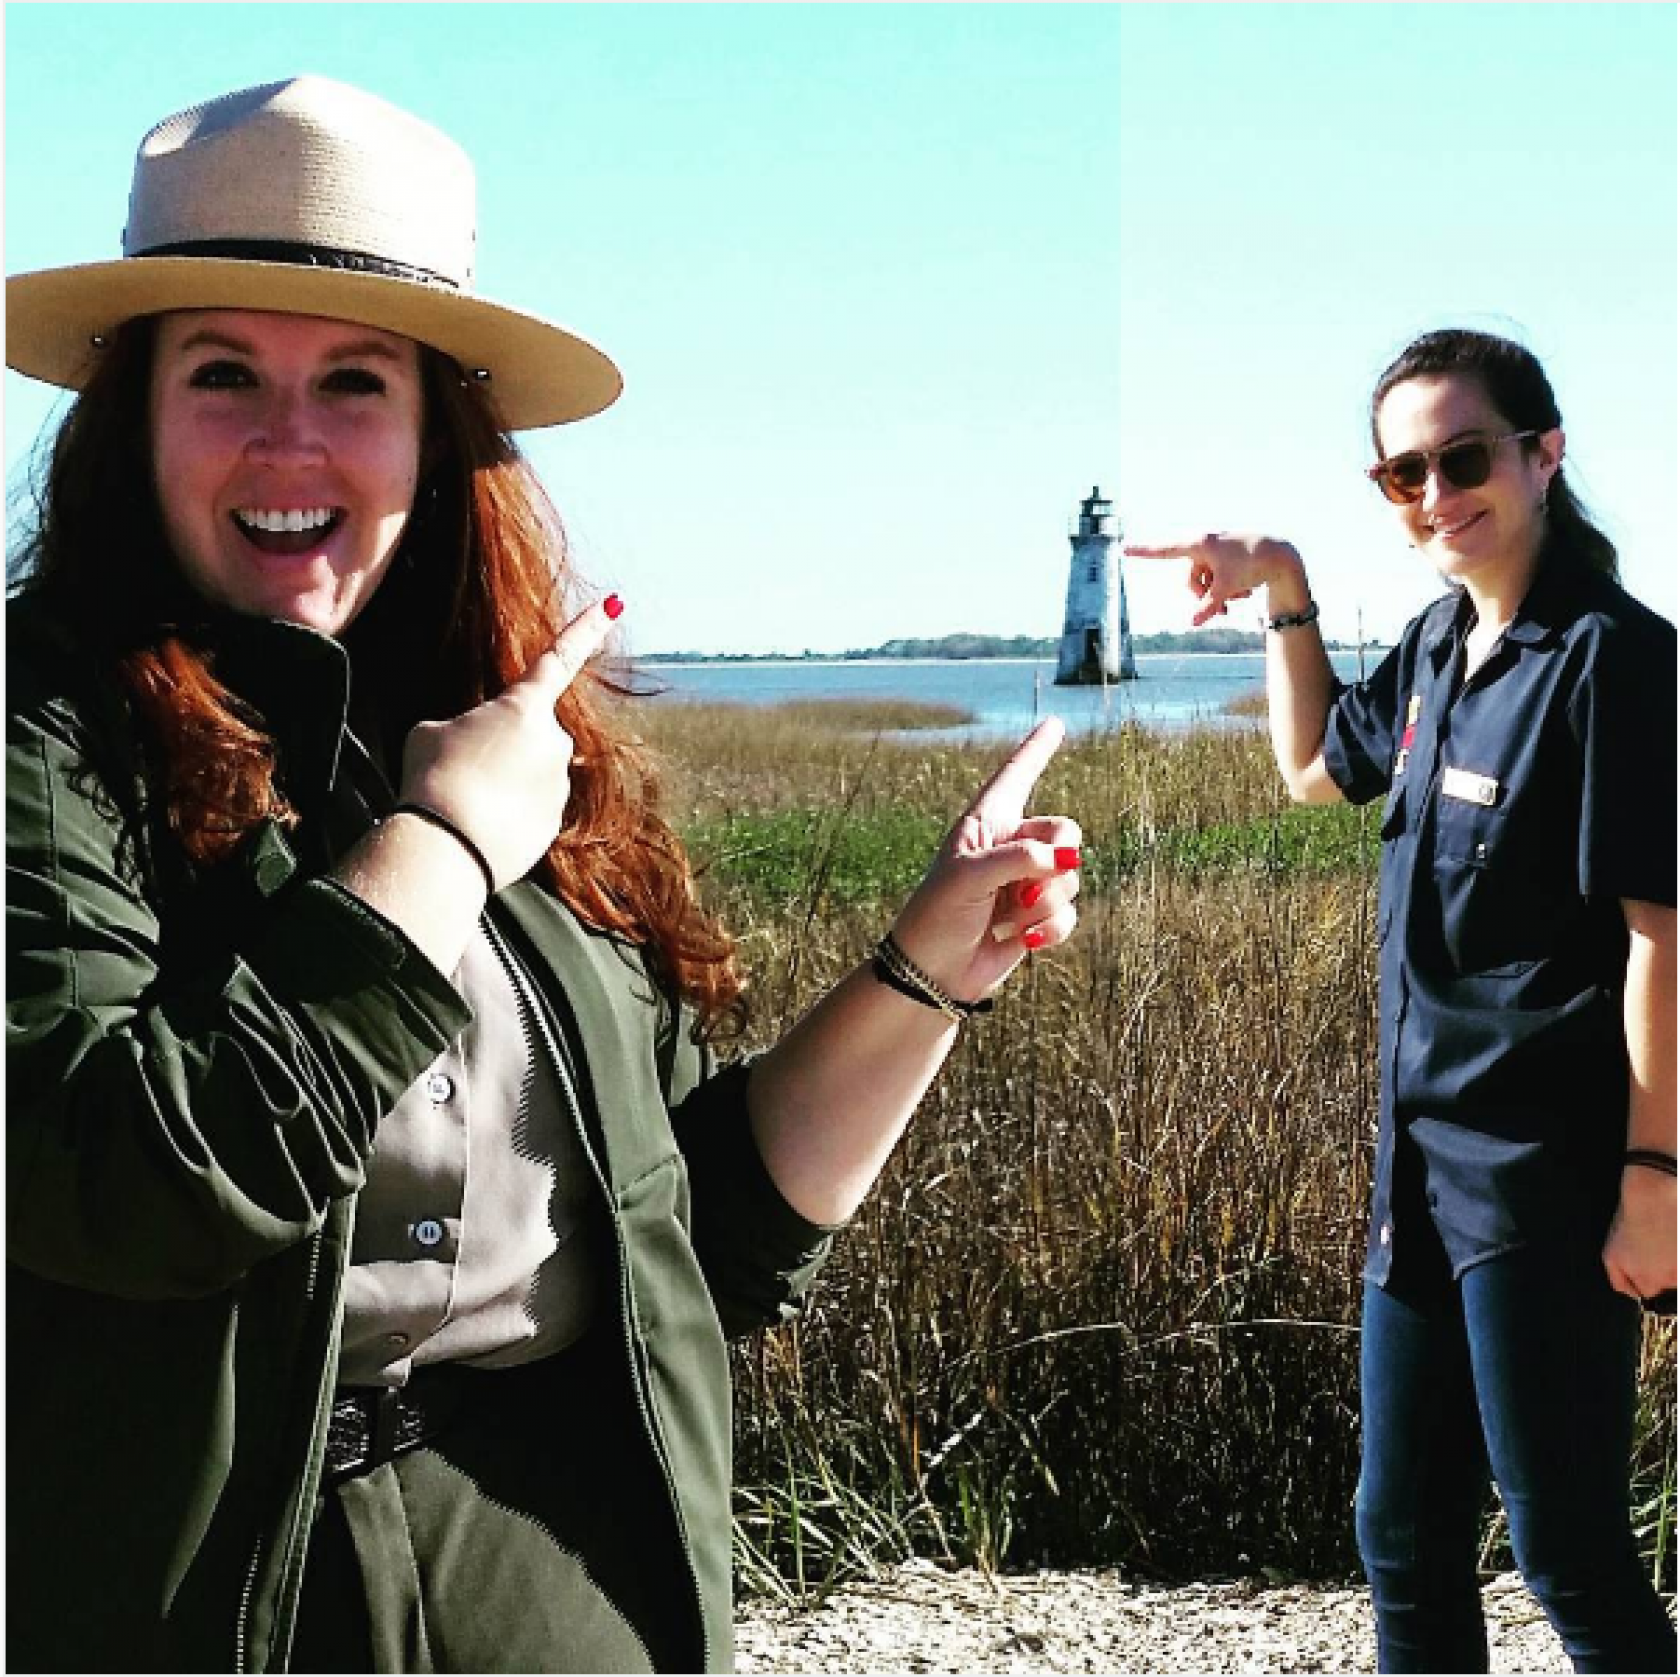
(479, 588)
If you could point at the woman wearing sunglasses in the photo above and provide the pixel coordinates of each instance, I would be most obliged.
(1522, 738)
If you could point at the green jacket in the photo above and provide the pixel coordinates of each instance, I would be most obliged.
(198, 1061)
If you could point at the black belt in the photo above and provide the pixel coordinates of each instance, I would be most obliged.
(370, 1425)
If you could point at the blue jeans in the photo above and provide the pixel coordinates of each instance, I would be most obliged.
(1524, 1366)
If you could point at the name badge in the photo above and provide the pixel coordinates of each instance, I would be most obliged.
(1470, 788)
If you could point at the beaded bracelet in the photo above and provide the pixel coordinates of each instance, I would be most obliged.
(898, 972)
(445, 825)
(1652, 1158)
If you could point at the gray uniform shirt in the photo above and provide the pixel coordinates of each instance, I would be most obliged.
(473, 1237)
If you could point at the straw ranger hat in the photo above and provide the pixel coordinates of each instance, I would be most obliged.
(307, 197)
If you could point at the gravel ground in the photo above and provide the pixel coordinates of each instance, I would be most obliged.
(923, 1618)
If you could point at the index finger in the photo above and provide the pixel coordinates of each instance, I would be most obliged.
(1160, 550)
(552, 672)
(1013, 783)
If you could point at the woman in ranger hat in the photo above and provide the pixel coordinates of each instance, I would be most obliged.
(1521, 737)
(378, 1210)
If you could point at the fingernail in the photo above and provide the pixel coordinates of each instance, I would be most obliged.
(1036, 938)
(612, 606)
(1030, 894)
(1067, 856)
(1002, 934)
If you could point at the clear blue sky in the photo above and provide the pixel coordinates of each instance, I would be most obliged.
(893, 285)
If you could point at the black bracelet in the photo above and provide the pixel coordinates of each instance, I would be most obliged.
(1652, 1158)
(445, 825)
(893, 982)
(898, 972)
(1295, 619)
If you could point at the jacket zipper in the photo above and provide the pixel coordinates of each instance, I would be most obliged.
(285, 1623)
(530, 1005)
(242, 1628)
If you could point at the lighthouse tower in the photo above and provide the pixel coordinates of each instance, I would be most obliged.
(1096, 636)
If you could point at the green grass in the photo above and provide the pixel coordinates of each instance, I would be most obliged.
(876, 715)
(790, 854)
(845, 856)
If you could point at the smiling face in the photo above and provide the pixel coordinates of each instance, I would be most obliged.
(1489, 535)
(285, 451)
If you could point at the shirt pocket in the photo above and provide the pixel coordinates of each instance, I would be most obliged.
(1499, 911)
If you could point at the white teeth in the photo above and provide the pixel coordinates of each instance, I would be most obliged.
(279, 523)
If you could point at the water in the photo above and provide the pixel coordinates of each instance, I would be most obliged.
(1006, 695)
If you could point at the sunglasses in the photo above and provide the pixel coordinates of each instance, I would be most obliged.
(1467, 464)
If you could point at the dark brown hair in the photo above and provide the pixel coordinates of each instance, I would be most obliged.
(1517, 386)
(478, 588)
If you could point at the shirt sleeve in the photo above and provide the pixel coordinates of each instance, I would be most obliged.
(758, 1254)
(1623, 715)
(1361, 732)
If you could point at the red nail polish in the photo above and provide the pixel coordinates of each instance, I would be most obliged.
(1067, 856)
(1030, 894)
(612, 606)
(1036, 938)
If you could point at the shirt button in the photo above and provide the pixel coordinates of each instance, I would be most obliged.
(428, 1232)
(1385, 1234)
(439, 1088)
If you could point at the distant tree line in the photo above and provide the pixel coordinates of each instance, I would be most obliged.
(985, 646)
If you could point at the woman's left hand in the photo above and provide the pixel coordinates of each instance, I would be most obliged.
(1002, 883)
(1639, 1253)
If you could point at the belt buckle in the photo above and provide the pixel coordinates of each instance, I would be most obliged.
(362, 1432)
(371, 1426)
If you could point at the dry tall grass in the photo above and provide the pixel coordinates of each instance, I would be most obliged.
(1103, 1304)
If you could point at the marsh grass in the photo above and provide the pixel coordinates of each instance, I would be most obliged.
(875, 715)
(1103, 1304)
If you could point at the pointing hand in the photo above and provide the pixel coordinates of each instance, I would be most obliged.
(502, 771)
(1002, 883)
(1225, 567)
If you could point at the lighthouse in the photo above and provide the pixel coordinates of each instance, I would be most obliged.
(1096, 636)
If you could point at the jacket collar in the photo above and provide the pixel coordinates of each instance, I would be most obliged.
(298, 680)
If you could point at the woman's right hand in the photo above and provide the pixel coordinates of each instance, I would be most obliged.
(1230, 567)
(502, 771)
